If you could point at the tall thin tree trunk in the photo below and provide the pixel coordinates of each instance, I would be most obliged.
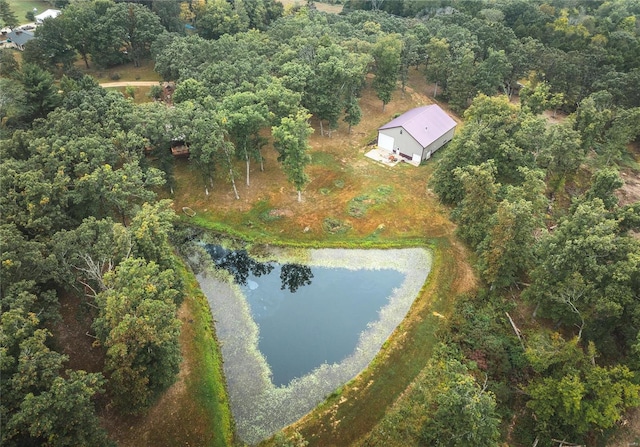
(86, 60)
(233, 182)
(299, 196)
(261, 161)
(435, 90)
(321, 129)
(383, 105)
(231, 176)
(247, 159)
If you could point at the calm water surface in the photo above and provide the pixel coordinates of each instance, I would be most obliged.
(307, 315)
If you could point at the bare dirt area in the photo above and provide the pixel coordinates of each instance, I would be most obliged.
(74, 336)
(629, 433)
(630, 191)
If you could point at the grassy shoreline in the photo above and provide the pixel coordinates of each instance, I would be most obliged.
(262, 408)
(206, 383)
(351, 412)
(346, 417)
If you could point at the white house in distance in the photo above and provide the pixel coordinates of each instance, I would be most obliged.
(417, 134)
(48, 14)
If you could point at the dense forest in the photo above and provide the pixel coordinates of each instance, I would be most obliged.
(534, 199)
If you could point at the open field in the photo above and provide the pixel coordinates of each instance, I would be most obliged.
(339, 173)
(121, 73)
(321, 6)
(21, 7)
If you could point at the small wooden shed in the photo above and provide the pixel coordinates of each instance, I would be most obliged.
(179, 148)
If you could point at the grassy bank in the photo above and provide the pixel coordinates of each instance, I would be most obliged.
(351, 413)
(205, 384)
(195, 410)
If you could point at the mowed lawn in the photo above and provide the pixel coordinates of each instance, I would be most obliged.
(22, 7)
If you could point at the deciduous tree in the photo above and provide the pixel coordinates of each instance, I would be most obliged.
(210, 149)
(474, 212)
(291, 141)
(387, 57)
(137, 325)
(588, 272)
(458, 412)
(134, 27)
(246, 115)
(574, 397)
(50, 47)
(438, 65)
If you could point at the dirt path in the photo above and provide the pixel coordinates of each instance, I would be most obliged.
(130, 83)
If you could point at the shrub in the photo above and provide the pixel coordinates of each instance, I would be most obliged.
(358, 205)
(155, 92)
(335, 226)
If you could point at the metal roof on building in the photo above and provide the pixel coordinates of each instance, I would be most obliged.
(426, 124)
(48, 14)
(20, 37)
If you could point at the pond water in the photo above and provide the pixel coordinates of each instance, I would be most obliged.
(307, 316)
(263, 310)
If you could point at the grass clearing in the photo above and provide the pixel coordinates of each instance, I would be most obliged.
(358, 206)
(22, 7)
(407, 215)
(140, 94)
(125, 72)
(320, 6)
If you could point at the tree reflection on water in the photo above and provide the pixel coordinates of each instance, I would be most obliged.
(241, 265)
(294, 276)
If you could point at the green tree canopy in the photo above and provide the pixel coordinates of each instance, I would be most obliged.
(291, 141)
(588, 272)
(387, 57)
(138, 326)
(574, 397)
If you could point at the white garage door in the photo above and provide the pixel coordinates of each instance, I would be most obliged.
(385, 142)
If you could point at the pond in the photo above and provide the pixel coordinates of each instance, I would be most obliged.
(293, 327)
(307, 316)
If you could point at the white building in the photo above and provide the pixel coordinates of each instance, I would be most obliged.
(48, 14)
